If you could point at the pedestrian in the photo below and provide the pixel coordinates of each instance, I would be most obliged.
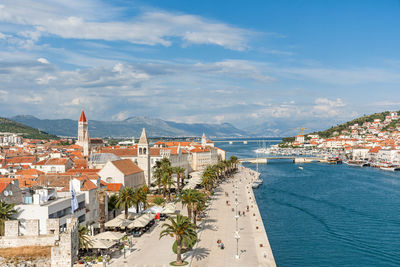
(222, 246)
(239, 212)
(244, 213)
(247, 208)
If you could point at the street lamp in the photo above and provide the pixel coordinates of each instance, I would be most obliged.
(237, 237)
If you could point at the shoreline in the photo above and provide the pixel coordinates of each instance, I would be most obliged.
(219, 224)
(265, 254)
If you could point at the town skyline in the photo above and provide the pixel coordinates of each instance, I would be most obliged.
(185, 62)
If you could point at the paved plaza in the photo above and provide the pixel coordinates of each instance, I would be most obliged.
(219, 223)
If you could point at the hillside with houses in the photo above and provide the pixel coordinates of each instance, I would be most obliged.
(374, 138)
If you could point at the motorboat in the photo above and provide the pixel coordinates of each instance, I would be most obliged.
(390, 168)
(301, 168)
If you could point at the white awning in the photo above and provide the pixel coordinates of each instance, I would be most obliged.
(118, 222)
(108, 235)
(101, 243)
(154, 209)
(142, 221)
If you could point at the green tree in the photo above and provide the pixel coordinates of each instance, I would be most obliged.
(187, 198)
(7, 212)
(199, 200)
(158, 200)
(178, 171)
(183, 231)
(83, 238)
(125, 199)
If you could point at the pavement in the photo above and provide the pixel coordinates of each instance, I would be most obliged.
(252, 247)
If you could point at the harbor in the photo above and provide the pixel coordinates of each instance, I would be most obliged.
(327, 214)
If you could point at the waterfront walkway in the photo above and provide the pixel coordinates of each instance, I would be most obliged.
(219, 223)
(254, 248)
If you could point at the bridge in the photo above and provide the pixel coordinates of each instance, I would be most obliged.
(295, 159)
(246, 141)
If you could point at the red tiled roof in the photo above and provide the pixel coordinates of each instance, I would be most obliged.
(126, 166)
(114, 187)
(121, 152)
(3, 186)
(83, 117)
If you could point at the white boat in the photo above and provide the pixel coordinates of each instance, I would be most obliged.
(301, 168)
(255, 185)
(393, 169)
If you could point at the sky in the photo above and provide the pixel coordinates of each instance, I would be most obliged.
(301, 63)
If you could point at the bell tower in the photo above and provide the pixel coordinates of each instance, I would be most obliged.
(144, 156)
(82, 129)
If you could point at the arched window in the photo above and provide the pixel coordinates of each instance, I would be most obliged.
(144, 151)
(140, 151)
(109, 179)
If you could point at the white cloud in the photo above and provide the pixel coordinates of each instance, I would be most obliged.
(43, 60)
(45, 79)
(149, 28)
(32, 99)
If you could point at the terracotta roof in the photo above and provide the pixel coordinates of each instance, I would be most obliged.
(20, 160)
(87, 185)
(199, 150)
(83, 117)
(121, 152)
(57, 161)
(3, 186)
(155, 151)
(126, 166)
(114, 187)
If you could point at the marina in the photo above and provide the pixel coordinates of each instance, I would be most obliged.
(349, 213)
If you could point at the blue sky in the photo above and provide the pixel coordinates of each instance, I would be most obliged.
(312, 63)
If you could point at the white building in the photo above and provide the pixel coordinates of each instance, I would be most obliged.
(40, 207)
(124, 172)
(10, 139)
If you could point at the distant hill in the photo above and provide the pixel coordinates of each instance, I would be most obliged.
(132, 127)
(10, 126)
(366, 118)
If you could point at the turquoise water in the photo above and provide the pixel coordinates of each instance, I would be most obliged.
(328, 215)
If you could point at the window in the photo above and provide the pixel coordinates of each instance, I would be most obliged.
(109, 179)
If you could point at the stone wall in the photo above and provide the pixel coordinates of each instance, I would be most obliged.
(64, 245)
(11, 228)
(20, 241)
(31, 227)
(66, 251)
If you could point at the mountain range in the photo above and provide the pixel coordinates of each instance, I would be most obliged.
(131, 127)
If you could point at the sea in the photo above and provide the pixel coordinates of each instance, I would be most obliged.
(326, 215)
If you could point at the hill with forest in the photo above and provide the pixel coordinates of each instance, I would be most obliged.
(10, 126)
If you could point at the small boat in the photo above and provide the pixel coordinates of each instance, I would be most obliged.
(390, 168)
(301, 168)
(255, 185)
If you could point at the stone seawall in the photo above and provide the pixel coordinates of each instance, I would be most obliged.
(264, 253)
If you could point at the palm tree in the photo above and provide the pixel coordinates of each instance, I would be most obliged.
(199, 199)
(178, 171)
(234, 160)
(157, 174)
(140, 197)
(83, 237)
(112, 204)
(7, 212)
(101, 196)
(125, 199)
(187, 197)
(184, 232)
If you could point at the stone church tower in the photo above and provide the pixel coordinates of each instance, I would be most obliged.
(203, 140)
(83, 134)
(144, 156)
